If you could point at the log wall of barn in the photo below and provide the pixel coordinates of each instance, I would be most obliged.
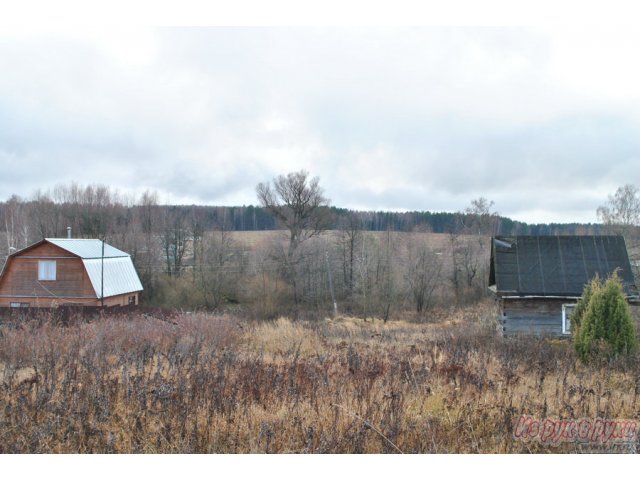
(532, 316)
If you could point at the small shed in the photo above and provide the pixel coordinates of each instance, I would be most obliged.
(66, 271)
(537, 280)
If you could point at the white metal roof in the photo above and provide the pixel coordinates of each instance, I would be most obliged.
(119, 275)
(87, 248)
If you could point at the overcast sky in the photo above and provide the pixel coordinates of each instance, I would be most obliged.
(543, 122)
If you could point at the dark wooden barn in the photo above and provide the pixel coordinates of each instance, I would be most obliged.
(537, 280)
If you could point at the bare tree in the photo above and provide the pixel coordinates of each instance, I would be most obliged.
(621, 213)
(469, 244)
(149, 219)
(45, 216)
(423, 275)
(621, 216)
(480, 218)
(175, 238)
(348, 242)
(15, 224)
(217, 268)
(385, 277)
(94, 211)
(299, 205)
(365, 276)
(196, 225)
(375, 280)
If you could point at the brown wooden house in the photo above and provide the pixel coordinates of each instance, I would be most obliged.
(65, 271)
(537, 280)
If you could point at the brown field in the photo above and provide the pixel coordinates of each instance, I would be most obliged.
(264, 238)
(202, 383)
(258, 242)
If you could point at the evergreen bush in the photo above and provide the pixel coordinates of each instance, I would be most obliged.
(602, 318)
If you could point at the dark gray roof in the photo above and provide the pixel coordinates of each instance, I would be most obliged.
(557, 266)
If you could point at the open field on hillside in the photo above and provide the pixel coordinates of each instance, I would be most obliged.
(259, 242)
(265, 238)
(202, 383)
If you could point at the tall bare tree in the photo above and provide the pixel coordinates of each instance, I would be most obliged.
(423, 274)
(15, 224)
(469, 245)
(217, 268)
(299, 205)
(45, 216)
(620, 215)
(481, 219)
(149, 219)
(348, 242)
(176, 238)
(621, 212)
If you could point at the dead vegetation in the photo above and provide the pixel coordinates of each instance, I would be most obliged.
(203, 383)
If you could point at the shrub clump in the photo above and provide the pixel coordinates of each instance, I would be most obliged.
(602, 320)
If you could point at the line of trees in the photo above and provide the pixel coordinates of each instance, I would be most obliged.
(192, 257)
(97, 210)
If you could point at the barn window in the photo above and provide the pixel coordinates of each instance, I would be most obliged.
(46, 270)
(567, 310)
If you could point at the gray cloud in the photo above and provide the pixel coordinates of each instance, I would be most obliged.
(403, 119)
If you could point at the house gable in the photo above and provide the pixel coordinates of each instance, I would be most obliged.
(78, 275)
(20, 275)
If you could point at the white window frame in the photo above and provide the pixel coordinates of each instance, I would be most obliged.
(46, 270)
(566, 321)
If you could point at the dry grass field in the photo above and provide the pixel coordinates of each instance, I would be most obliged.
(218, 384)
(265, 238)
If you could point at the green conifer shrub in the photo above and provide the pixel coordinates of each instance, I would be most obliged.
(603, 320)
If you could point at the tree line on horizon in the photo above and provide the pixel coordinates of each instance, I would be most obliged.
(96, 211)
(187, 258)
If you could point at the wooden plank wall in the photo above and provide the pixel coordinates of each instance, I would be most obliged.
(20, 278)
(50, 302)
(532, 316)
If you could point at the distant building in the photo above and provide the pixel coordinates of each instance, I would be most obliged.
(65, 271)
(538, 279)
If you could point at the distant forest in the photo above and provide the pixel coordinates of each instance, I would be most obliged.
(247, 218)
(95, 217)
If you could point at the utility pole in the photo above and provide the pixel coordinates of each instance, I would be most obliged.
(102, 276)
(333, 297)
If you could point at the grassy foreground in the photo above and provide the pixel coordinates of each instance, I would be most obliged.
(217, 384)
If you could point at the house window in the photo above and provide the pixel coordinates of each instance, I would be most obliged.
(18, 305)
(567, 310)
(132, 300)
(46, 270)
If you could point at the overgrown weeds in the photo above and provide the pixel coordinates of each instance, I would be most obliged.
(203, 383)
